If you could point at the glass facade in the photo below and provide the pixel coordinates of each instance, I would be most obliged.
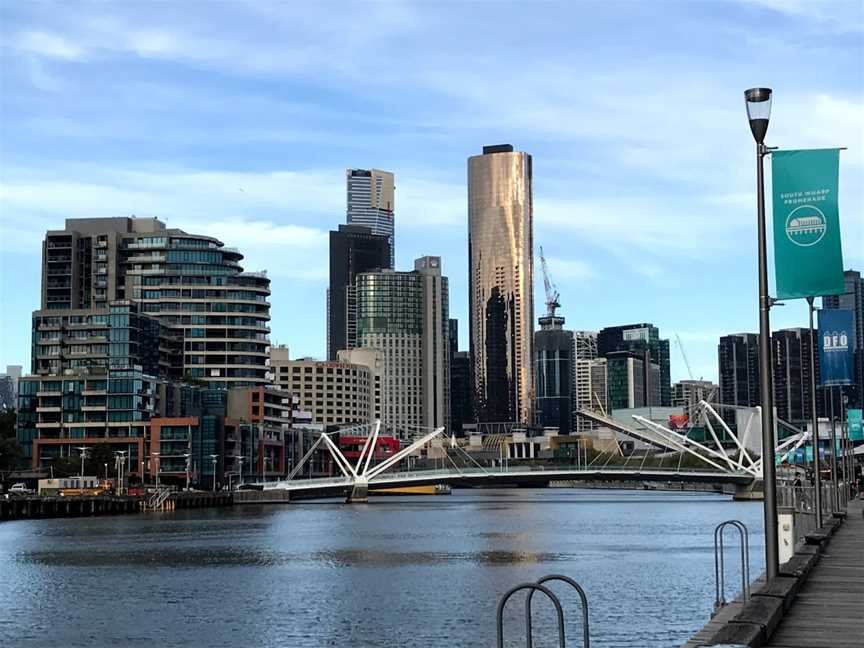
(501, 282)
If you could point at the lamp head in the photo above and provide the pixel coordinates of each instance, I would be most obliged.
(758, 102)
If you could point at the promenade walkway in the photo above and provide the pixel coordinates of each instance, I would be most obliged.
(829, 610)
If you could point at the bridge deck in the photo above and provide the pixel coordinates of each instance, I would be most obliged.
(829, 610)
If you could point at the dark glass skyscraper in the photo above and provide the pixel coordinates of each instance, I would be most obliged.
(553, 354)
(738, 368)
(353, 249)
(790, 359)
(644, 341)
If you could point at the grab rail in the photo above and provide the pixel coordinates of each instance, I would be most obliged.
(533, 587)
(586, 641)
(719, 564)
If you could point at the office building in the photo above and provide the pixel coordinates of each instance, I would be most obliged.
(501, 283)
(852, 299)
(192, 284)
(790, 359)
(553, 381)
(334, 393)
(405, 316)
(353, 249)
(371, 203)
(625, 380)
(461, 389)
(688, 393)
(589, 379)
(9, 387)
(644, 340)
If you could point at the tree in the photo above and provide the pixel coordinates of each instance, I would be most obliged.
(10, 450)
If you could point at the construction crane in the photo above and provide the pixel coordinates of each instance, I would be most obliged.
(684, 355)
(551, 292)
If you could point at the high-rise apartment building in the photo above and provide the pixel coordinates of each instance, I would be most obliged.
(371, 203)
(405, 315)
(738, 368)
(193, 284)
(643, 340)
(353, 249)
(501, 283)
(852, 299)
(790, 359)
(553, 381)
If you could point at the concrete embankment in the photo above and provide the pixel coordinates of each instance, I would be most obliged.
(32, 507)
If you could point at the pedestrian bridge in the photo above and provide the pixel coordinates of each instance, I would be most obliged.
(716, 465)
(528, 476)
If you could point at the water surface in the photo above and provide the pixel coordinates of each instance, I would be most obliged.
(420, 571)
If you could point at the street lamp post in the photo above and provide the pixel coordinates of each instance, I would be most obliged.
(817, 478)
(155, 456)
(758, 102)
(214, 459)
(188, 458)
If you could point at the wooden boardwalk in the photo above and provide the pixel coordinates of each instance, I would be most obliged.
(829, 609)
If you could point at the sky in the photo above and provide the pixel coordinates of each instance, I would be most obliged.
(238, 120)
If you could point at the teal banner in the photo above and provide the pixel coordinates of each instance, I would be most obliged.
(808, 261)
(856, 425)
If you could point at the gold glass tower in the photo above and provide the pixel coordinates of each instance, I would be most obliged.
(501, 280)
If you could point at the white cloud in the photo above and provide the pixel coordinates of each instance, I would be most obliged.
(49, 45)
(569, 269)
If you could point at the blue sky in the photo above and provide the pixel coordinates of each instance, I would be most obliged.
(643, 161)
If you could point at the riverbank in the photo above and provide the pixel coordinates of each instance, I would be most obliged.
(35, 507)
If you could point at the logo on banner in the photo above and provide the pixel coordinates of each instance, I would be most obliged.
(806, 225)
(835, 342)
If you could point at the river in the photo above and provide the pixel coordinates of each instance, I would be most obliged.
(400, 571)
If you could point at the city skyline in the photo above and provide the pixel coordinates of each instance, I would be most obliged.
(615, 187)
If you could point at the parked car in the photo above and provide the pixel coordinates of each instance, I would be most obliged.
(20, 489)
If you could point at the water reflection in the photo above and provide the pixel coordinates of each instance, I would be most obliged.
(398, 572)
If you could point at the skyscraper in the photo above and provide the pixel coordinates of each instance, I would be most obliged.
(353, 249)
(738, 368)
(406, 316)
(852, 299)
(790, 357)
(501, 283)
(644, 340)
(193, 284)
(461, 390)
(553, 358)
(371, 203)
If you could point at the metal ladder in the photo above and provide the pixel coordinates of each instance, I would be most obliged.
(559, 611)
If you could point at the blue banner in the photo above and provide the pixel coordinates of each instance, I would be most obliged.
(836, 340)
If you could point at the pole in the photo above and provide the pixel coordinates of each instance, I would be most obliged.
(766, 388)
(814, 419)
(834, 486)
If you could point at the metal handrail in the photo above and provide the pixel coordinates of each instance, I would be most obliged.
(586, 640)
(719, 562)
(530, 586)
